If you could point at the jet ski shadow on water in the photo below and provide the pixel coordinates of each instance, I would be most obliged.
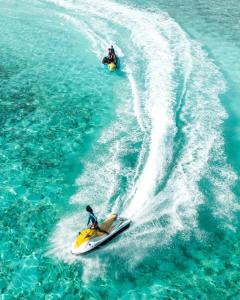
(91, 238)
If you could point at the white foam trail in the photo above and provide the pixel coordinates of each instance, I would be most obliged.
(63, 237)
(135, 97)
(149, 117)
(99, 46)
(159, 102)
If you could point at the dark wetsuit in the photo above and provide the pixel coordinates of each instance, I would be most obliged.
(112, 51)
(113, 55)
(110, 56)
(93, 219)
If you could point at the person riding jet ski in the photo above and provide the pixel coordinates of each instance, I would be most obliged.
(111, 57)
(93, 220)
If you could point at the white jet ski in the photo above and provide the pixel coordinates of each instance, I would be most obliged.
(91, 238)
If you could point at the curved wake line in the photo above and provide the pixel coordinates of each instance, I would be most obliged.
(148, 118)
(159, 86)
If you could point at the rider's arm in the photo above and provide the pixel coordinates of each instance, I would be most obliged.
(89, 218)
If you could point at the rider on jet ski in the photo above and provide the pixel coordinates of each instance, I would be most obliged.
(93, 219)
(111, 57)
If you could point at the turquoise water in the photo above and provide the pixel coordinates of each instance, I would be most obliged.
(156, 141)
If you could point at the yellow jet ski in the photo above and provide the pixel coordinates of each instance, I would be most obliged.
(112, 67)
(91, 238)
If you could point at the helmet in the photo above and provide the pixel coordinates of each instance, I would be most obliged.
(89, 209)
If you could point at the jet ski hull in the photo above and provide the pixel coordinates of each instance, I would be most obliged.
(99, 239)
(112, 67)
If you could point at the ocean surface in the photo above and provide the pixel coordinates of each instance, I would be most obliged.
(157, 141)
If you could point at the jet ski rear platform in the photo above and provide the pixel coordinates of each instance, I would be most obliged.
(89, 239)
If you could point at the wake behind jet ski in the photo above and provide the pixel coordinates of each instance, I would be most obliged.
(111, 61)
(97, 235)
